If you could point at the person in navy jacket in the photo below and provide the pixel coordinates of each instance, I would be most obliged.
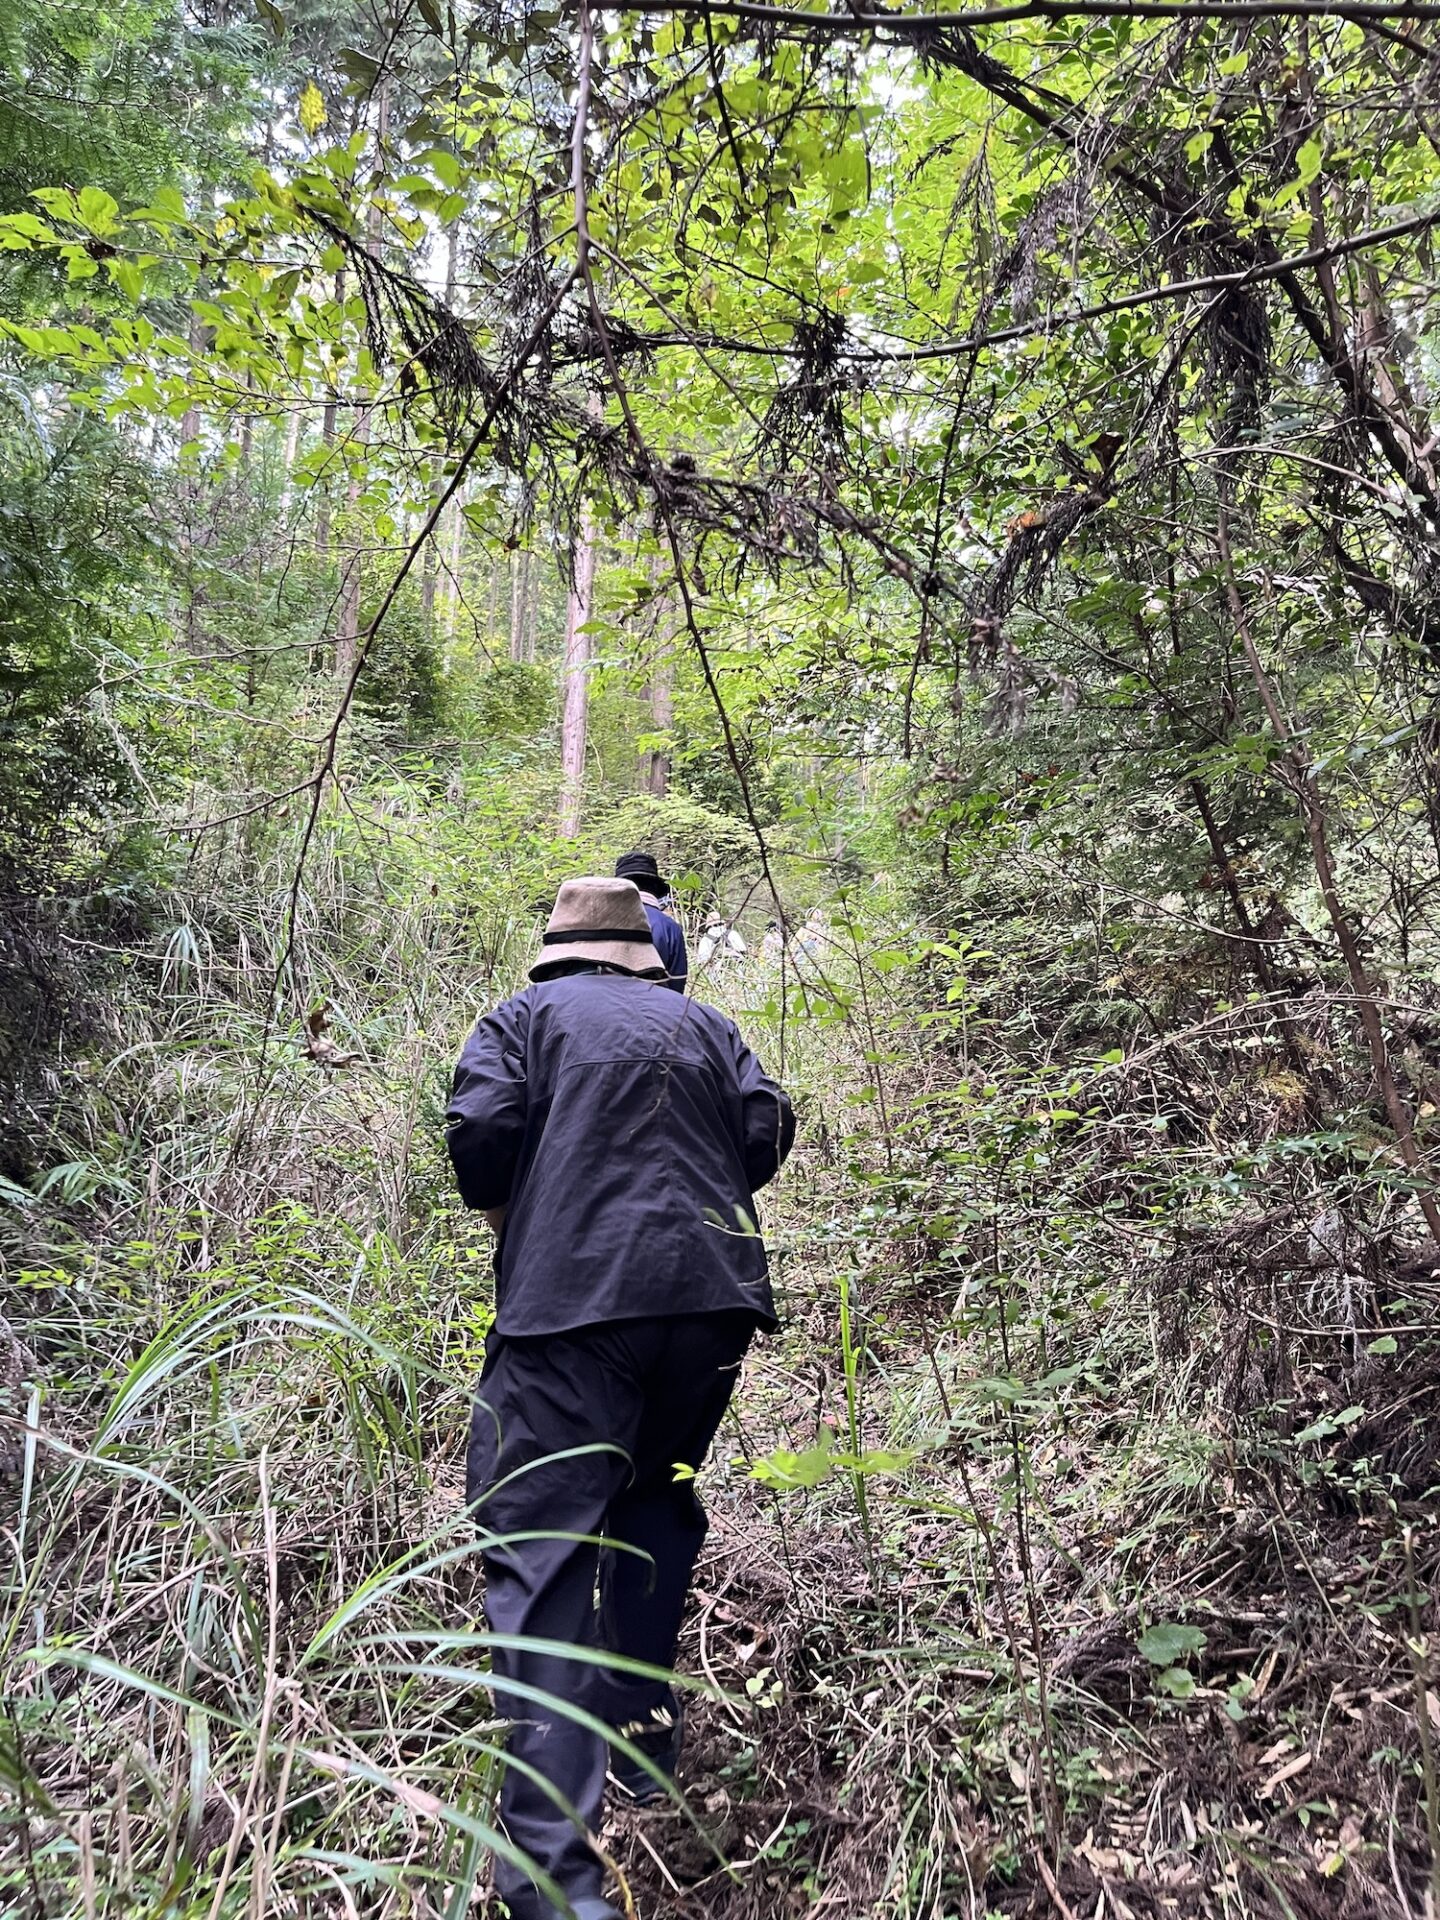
(665, 929)
(615, 1136)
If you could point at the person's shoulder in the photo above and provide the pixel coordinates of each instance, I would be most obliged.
(706, 1017)
(514, 1007)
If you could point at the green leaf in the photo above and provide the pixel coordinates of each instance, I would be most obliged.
(127, 277)
(1387, 1343)
(877, 1460)
(1175, 1681)
(783, 1468)
(1167, 1643)
(1308, 160)
(1328, 1424)
(444, 165)
(96, 210)
(362, 68)
(166, 209)
(25, 227)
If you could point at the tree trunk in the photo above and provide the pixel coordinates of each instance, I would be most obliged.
(428, 573)
(190, 494)
(287, 465)
(327, 447)
(576, 682)
(532, 604)
(347, 629)
(662, 717)
(519, 593)
(454, 598)
(429, 559)
(347, 625)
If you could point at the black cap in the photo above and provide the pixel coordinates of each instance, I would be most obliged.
(641, 868)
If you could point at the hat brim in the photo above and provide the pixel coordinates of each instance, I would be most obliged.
(654, 884)
(629, 956)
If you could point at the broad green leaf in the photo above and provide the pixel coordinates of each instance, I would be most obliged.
(127, 277)
(1166, 1644)
(97, 210)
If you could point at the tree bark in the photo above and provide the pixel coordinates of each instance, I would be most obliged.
(662, 718)
(347, 624)
(532, 604)
(453, 596)
(576, 682)
(428, 573)
(519, 584)
(1301, 778)
(292, 449)
(347, 627)
(327, 443)
(429, 559)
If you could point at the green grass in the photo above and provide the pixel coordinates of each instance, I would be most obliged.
(241, 1640)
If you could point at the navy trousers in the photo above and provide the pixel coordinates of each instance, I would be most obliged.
(646, 1396)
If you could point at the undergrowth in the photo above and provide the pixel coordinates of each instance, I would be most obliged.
(1072, 1544)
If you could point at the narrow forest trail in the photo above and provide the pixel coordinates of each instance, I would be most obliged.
(961, 490)
(1147, 1664)
(996, 1614)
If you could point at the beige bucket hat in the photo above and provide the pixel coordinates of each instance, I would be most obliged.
(603, 921)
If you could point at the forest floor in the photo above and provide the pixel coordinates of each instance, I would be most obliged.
(1169, 1691)
(1003, 1611)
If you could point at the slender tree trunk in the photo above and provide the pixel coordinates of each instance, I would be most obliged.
(347, 628)
(519, 601)
(190, 419)
(532, 604)
(454, 597)
(515, 604)
(327, 447)
(1301, 778)
(429, 570)
(190, 493)
(429, 561)
(347, 624)
(576, 682)
(655, 771)
(288, 459)
(662, 718)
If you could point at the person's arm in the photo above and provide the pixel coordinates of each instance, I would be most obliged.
(769, 1120)
(485, 1122)
(669, 938)
(677, 959)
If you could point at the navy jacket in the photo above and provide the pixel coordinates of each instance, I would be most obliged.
(669, 938)
(627, 1131)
